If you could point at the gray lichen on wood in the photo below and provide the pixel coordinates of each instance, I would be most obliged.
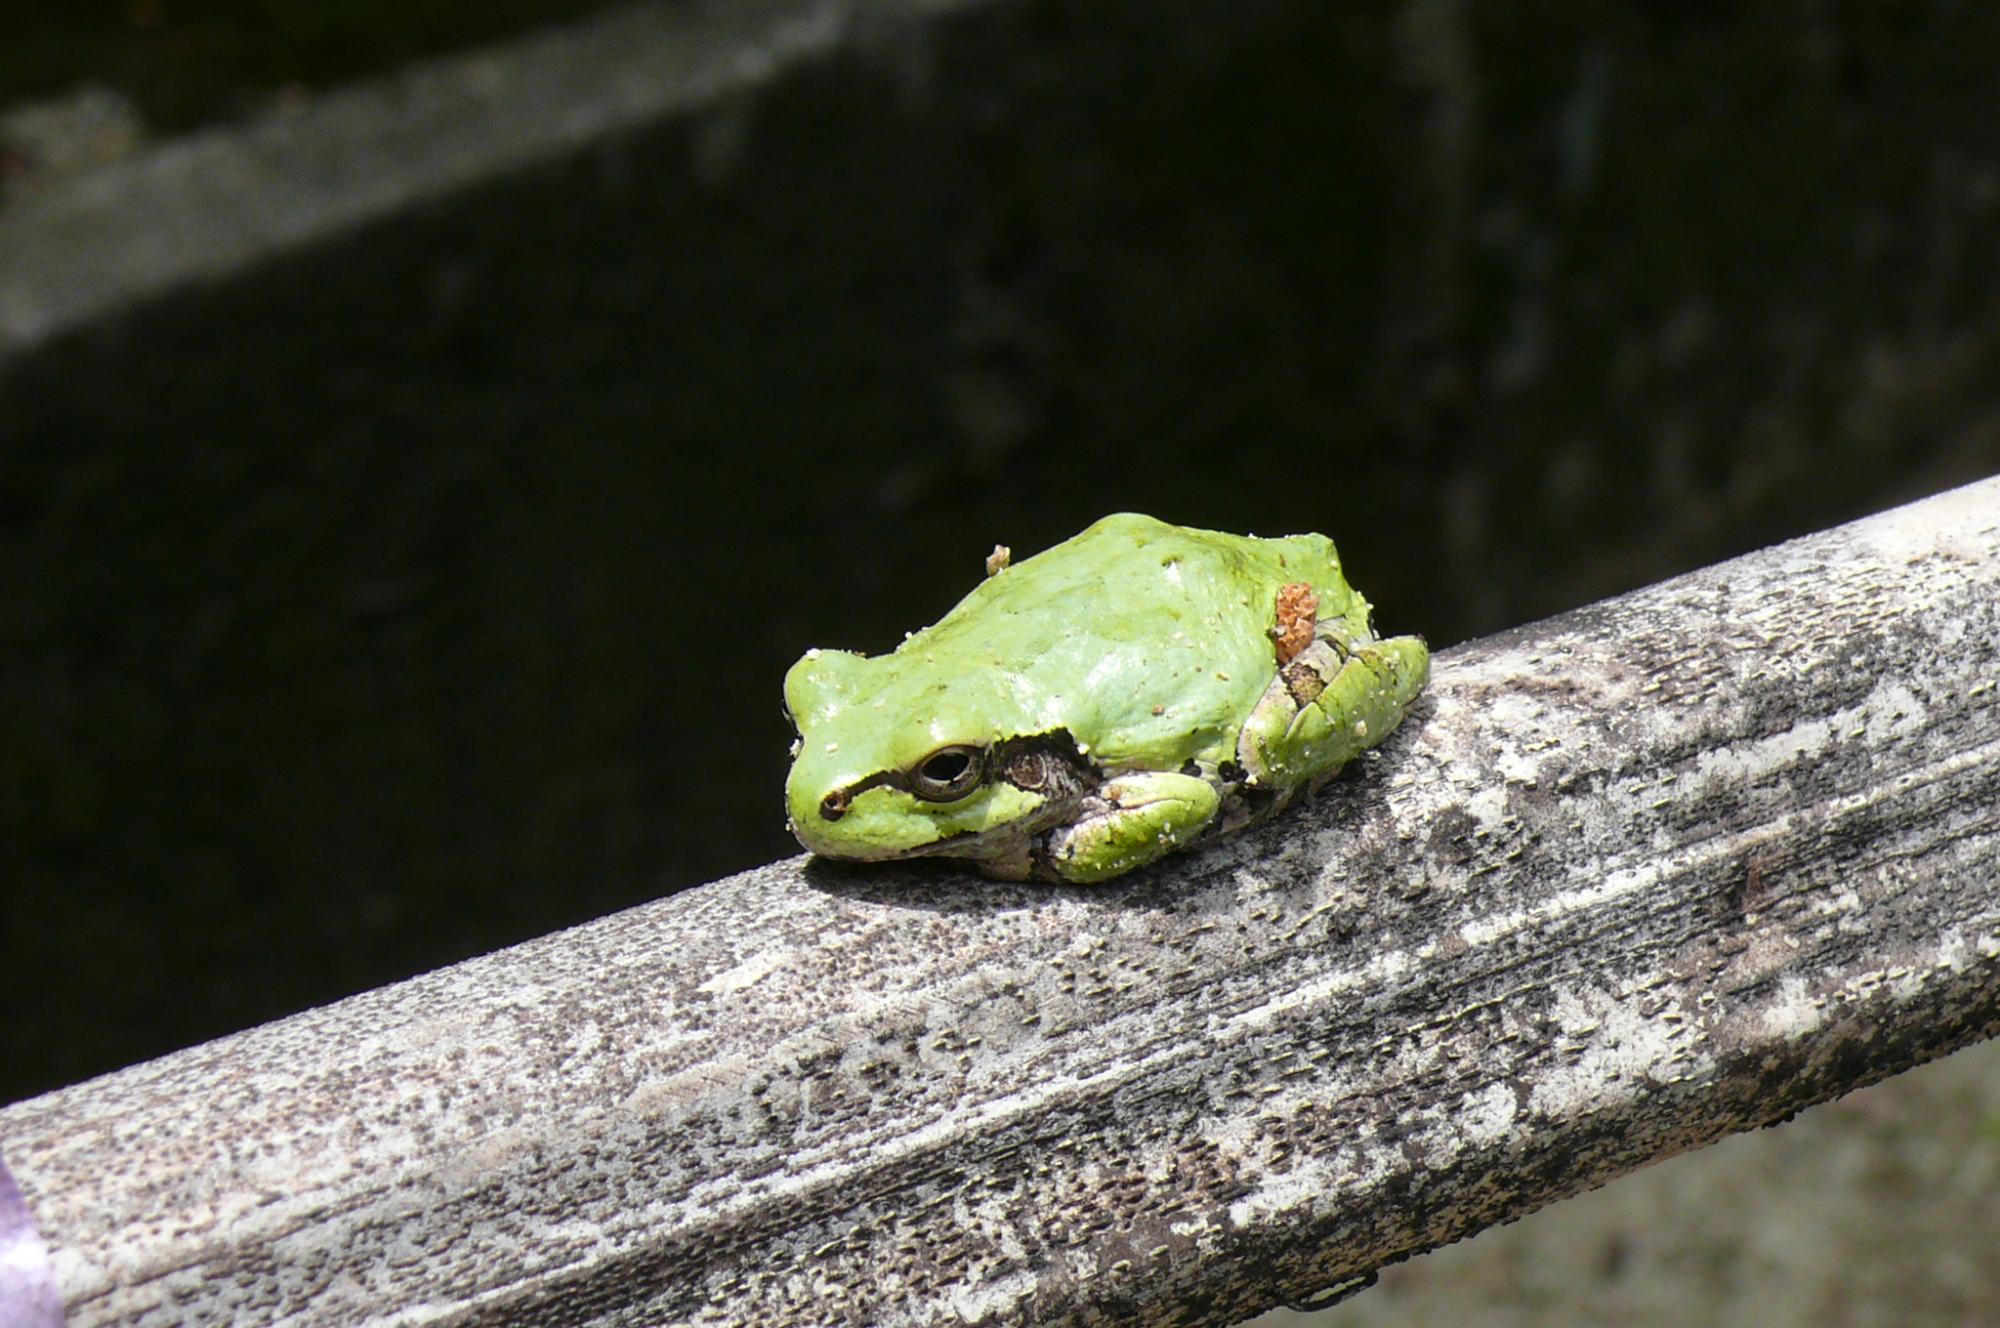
(1671, 866)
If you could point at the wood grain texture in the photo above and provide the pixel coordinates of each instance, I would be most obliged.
(1674, 865)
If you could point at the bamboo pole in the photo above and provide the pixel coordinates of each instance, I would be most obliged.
(1630, 879)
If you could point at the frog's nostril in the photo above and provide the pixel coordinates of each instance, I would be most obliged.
(834, 805)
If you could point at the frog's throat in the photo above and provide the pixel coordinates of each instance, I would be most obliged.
(1012, 849)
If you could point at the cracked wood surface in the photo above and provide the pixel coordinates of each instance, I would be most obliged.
(1670, 866)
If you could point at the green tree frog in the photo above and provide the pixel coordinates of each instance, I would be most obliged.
(1130, 691)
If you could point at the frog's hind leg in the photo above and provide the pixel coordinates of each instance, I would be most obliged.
(1332, 702)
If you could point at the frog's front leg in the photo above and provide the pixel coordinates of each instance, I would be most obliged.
(1333, 701)
(1132, 820)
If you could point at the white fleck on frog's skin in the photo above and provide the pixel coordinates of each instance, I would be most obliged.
(1123, 694)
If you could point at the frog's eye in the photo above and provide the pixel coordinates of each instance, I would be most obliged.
(947, 774)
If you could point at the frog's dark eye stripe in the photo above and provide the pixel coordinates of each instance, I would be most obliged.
(947, 774)
(1045, 763)
(835, 804)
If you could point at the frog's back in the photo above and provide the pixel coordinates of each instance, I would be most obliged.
(1153, 637)
(1137, 564)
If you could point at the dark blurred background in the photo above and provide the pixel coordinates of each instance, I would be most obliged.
(429, 587)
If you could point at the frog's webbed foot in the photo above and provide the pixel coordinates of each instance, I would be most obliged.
(1335, 699)
(1132, 820)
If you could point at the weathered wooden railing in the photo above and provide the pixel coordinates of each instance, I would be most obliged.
(1664, 868)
